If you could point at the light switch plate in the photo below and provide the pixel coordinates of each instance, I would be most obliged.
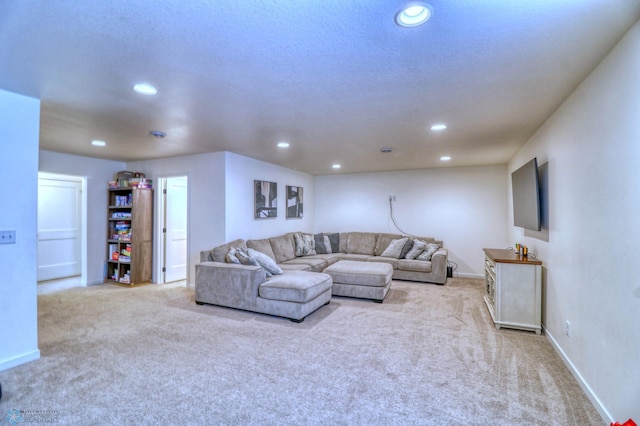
(7, 237)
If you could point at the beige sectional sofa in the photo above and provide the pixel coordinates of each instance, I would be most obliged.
(302, 287)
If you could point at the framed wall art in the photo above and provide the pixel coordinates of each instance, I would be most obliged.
(266, 199)
(294, 202)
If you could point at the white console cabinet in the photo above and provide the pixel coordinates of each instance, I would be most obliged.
(513, 290)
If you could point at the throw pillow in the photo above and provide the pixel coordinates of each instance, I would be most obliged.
(246, 259)
(231, 256)
(428, 252)
(406, 248)
(327, 245)
(334, 239)
(395, 248)
(321, 247)
(418, 246)
(305, 244)
(265, 261)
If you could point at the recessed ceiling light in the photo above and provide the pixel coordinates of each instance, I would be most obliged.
(98, 143)
(445, 158)
(438, 127)
(385, 150)
(336, 166)
(283, 144)
(414, 15)
(158, 134)
(145, 89)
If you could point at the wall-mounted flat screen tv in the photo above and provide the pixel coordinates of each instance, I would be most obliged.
(526, 196)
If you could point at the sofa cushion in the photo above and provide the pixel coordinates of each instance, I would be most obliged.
(317, 264)
(418, 246)
(391, 261)
(295, 267)
(265, 261)
(263, 246)
(219, 253)
(357, 257)
(283, 247)
(382, 242)
(395, 248)
(361, 243)
(414, 265)
(295, 286)
(305, 244)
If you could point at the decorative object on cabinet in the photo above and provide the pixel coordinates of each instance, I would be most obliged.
(513, 290)
(129, 236)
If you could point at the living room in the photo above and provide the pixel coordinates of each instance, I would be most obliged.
(588, 146)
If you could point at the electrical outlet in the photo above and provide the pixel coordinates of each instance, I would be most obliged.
(567, 328)
(7, 237)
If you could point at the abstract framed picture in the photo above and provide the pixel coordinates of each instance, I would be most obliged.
(294, 202)
(266, 199)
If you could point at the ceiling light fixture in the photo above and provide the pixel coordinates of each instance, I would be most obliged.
(445, 158)
(385, 150)
(283, 144)
(145, 89)
(98, 143)
(438, 127)
(336, 166)
(158, 134)
(414, 15)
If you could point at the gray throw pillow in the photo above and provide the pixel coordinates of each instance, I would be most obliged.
(395, 248)
(406, 248)
(334, 239)
(321, 247)
(428, 252)
(418, 246)
(327, 245)
(246, 259)
(305, 244)
(231, 256)
(265, 261)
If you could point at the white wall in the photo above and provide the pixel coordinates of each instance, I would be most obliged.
(98, 173)
(206, 209)
(463, 206)
(592, 146)
(19, 130)
(240, 175)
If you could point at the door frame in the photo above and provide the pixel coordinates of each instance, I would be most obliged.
(83, 217)
(160, 220)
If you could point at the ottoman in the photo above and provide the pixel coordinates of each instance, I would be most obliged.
(364, 280)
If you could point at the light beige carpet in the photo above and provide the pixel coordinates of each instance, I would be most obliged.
(428, 355)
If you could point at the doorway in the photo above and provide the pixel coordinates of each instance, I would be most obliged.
(173, 229)
(61, 229)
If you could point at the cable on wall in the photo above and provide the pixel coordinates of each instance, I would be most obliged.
(393, 219)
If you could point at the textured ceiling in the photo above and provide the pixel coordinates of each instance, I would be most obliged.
(337, 79)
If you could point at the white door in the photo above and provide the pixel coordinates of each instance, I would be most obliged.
(59, 226)
(175, 202)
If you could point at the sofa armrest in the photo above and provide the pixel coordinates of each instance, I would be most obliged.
(439, 262)
(228, 284)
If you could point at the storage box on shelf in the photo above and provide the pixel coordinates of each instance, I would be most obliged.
(129, 236)
(513, 290)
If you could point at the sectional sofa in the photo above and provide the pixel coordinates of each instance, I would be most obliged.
(299, 285)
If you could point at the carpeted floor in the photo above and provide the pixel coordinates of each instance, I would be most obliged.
(429, 355)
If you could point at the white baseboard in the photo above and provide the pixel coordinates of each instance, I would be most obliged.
(604, 413)
(463, 275)
(6, 364)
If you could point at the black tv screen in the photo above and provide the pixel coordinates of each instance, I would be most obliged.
(526, 196)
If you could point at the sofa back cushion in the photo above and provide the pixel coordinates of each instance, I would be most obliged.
(283, 247)
(382, 242)
(263, 246)
(219, 253)
(361, 243)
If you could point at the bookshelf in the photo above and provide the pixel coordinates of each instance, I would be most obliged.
(129, 236)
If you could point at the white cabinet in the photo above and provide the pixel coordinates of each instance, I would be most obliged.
(513, 290)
